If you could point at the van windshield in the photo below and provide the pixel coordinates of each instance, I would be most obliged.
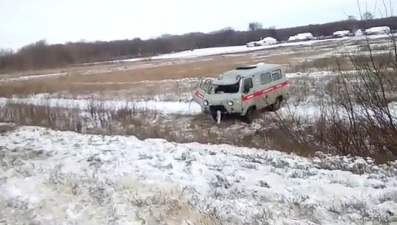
(229, 89)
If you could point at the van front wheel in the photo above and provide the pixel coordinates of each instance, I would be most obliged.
(249, 115)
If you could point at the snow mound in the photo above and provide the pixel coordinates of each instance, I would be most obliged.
(56, 177)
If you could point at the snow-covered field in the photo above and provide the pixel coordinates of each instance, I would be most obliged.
(53, 177)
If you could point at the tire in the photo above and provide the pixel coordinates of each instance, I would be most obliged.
(213, 115)
(249, 115)
(276, 105)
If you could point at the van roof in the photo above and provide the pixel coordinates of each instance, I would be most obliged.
(232, 76)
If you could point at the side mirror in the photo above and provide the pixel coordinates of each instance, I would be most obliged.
(246, 88)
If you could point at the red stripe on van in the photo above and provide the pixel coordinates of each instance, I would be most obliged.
(264, 91)
(199, 95)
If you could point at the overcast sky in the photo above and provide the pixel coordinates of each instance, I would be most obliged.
(58, 21)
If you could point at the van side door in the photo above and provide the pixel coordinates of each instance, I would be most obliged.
(265, 98)
(247, 90)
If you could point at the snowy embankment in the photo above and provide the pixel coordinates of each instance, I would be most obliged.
(58, 177)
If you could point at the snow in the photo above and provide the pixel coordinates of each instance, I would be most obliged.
(341, 33)
(226, 50)
(378, 30)
(55, 177)
(359, 33)
(264, 41)
(269, 39)
(292, 38)
(301, 36)
(307, 34)
(164, 107)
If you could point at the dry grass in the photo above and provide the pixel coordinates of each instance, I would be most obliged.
(118, 80)
(119, 76)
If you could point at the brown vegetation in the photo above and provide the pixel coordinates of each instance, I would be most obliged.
(358, 120)
(40, 55)
(77, 83)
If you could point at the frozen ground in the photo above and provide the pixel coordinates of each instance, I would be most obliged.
(52, 177)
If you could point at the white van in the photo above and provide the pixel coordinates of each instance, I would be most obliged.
(243, 90)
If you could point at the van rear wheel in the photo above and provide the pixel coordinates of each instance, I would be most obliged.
(276, 105)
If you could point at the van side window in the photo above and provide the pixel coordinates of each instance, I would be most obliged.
(248, 81)
(276, 75)
(266, 78)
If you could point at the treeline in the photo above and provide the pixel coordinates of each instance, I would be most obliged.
(40, 55)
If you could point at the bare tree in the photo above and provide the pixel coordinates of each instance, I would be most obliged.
(254, 26)
(368, 16)
(351, 17)
(273, 32)
(357, 118)
(5, 52)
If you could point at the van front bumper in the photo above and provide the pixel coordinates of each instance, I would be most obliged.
(211, 109)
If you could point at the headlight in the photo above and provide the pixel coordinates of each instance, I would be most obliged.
(205, 102)
(230, 103)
